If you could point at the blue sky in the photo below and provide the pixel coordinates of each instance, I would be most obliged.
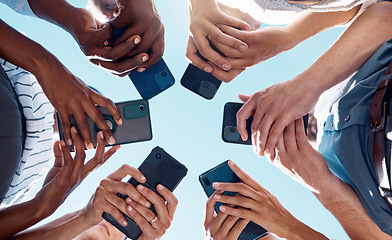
(184, 124)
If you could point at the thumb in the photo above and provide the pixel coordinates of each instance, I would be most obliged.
(243, 97)
(58, 154)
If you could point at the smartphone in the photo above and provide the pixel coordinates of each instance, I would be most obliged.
(223, 173)
(158, 168)
(200, 82)
(136, 125)
(152, 81)
(230, 133)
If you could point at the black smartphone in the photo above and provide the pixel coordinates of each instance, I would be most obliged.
(158, 168)
(223, 173)
(229, 128)
(152, 81)
(136, 125)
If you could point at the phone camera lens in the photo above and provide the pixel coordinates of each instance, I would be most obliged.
(158, 155)
(141, 107)
(206, 84)
(164, 74)
(233, 129)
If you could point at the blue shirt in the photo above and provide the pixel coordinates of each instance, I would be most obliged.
(345, 140)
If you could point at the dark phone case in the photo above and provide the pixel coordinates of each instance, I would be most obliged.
(158, 168)
(152, 81)
(229, 128)
(136, 125)
(223, 173)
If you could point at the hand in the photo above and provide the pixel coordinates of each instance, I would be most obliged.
(70, 95)
(67, 172)
(273, 109)
(142, 18)
(221, 226)
(91, 35)
(256, 204)
(205, 19)
(297, 158)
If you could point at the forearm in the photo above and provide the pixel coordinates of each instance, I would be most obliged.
(365, 35)
(341, 200)
(67, 227)
(312, 23)
(19, 217)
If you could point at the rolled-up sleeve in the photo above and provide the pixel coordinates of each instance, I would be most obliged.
(20, 6)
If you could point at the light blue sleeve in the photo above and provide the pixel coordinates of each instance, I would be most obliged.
(20, 6)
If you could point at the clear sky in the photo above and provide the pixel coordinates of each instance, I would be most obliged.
(187, 126)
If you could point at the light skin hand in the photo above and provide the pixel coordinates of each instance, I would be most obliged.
(205, 17)
(142, 215)
(273, 109)
(259, 206)
(142, 19)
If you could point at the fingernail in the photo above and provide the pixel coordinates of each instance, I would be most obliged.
(74, 129)
(62, 143)
(136, 41)
(140, 187)
(207, 69)
(111, 140)
(242, 48)
(129, 200)
(120, 122)
(148, 204)
(90, 146)
(160, 187)
(101, 135)
(69, 141)
(130, 208)
(141, 69)
(142, 178)
(144, 58)
(217, 197)
(225, 67)
(267, 151)
(125, 223)
(215, 185)
(222, 208)
(231, 163)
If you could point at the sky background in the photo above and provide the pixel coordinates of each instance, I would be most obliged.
(187, 126)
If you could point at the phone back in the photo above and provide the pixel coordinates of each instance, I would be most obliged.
(136, 125)
(158, 168)
(229, 128)
(223, 173)
(152, 81)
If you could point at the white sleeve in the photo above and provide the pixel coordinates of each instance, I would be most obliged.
(20, 6)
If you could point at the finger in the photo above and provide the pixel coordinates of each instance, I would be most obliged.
(145, 212)
(116, 201)
(243, 98)
(194, 58)
(66, 125)
(115, 213)
(228, 224)
(143, 224)
(238, 228)
(122, 67)
(126, 170)
(242, 115)
(280, 145)
(241, 188)
(226, 76)
(121, 50)
(289, 138)
(68, 160)
(156, 52)
(239, 200)
(225, 19)
(300, 133)
(81, 121)
(125, 189)
(158, 202)
(255, 126)
(210, 209)
(244, 176)
(238, 212)
(171, 200)
(96, 116)
(98, 158)
(58, 154)
(80, 154)
(108, 105)
(265, 133)
(109, 153)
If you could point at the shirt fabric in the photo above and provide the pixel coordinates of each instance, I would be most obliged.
(345, 136)
(20, 6)
(37, 151)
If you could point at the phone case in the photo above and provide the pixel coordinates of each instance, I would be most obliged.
(229, 128)
(223, 173)
(152, 81)
(158, 168)
(136, 125)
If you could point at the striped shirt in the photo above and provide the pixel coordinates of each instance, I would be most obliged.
(37, 151)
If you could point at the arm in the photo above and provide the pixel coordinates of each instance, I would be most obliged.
(140, 16)
(284, 102)
(66, 174)
(67, 93)
(297, 158)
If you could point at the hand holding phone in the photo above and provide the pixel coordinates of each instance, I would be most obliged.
(136, 125)
(223, 173)
(158, 168)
